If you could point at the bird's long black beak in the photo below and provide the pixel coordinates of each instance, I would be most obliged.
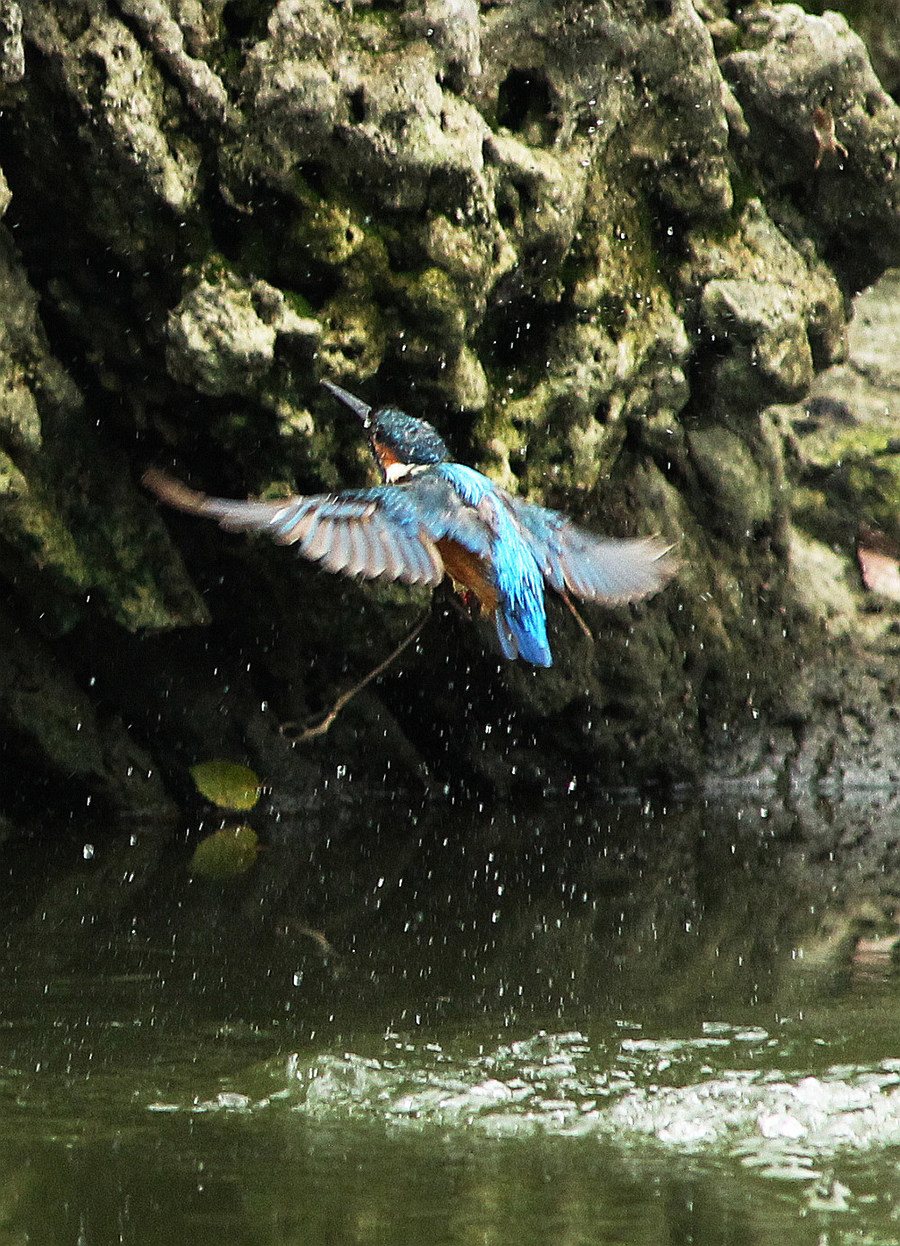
(362, 409)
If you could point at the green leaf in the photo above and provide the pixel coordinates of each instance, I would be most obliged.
(226, 854)
(226, 784)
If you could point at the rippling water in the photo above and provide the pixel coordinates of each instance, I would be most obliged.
(585, 1022)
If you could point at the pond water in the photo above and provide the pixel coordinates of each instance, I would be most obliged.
(588, 1021)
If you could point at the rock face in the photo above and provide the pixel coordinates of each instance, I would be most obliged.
(593, 243)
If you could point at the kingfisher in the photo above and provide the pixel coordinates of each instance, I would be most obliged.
(432, 519)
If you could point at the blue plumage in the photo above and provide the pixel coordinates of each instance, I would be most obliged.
(434, 518)
(520, 617)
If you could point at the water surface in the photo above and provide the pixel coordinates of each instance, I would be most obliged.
(590, 1021)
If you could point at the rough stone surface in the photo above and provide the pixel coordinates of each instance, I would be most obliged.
(592, 242)
(791, 64)
(224, 333)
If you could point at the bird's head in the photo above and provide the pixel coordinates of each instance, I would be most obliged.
(399, 441)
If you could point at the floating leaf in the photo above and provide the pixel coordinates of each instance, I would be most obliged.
(226, 784)
(226, 854)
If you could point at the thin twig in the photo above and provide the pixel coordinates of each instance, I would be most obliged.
(310, 733)
(578, 619)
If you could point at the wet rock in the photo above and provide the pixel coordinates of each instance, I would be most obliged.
(842, 440)
(766, 337)
(769, 313)
(110, 78)
(56, 738)
(203, 88)
(687, 139)
(296, 100)
(842, 473)
(792, 64)
(217, 340)
(823, 581)
(742, 488)
(875, 22)
(567, 236)
(223, 334)
(454, 28)
(12, 51)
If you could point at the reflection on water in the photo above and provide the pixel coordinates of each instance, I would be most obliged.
(586, 1022)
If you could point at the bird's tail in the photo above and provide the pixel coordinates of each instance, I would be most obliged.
(522, 635)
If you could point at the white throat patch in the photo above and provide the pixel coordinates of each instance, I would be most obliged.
(397, 471)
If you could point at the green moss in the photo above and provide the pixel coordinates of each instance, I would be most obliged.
(742, 489)
(31, 522)
(850, 475)
(432, 303)
(616, 246)
(855, 445)
(334, 235)
(870, 492)
(298, 303)
(745, 186)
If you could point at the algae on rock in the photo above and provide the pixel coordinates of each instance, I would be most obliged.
(591, 243)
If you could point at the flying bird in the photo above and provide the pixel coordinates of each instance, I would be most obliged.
(432, 518)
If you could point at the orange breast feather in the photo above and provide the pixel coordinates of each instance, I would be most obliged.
(467, 570)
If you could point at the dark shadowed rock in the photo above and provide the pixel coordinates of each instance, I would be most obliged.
(592, 243)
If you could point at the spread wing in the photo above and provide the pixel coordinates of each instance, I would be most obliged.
(376, 533)
(593, 568)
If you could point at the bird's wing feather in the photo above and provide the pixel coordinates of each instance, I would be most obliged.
(591, 567)
(378, 532)
(438, 492)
